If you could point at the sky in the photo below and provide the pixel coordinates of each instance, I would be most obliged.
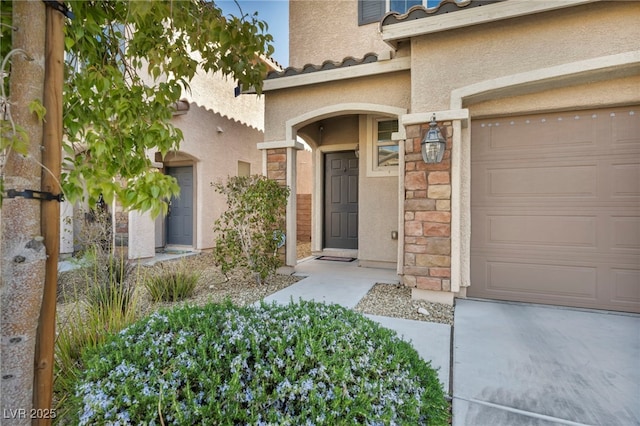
(275, 13)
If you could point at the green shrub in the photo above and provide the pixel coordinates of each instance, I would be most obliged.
(305, 363)
(171, 286)
(250, 231)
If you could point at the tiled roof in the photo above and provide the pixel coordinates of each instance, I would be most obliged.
(326, 65)
(445, 6)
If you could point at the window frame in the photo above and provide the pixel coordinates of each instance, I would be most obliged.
(373, 144)
(372, 11)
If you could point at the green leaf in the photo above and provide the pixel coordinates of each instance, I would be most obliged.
(36, 107)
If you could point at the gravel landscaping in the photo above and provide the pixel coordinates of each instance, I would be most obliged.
(241, 288)
(394, 300)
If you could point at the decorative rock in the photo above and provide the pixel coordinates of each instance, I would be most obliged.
(423, 311)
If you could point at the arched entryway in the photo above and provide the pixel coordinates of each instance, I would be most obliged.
(343, 130)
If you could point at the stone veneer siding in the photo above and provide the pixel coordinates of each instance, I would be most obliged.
(277, 165)
(427, 214)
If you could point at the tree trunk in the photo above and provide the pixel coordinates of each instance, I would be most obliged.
(22, 251)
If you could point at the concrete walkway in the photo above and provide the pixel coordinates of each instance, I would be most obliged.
(523, 364)
(344, 283)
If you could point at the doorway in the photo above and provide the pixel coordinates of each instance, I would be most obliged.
(341, 200)
(179, 220)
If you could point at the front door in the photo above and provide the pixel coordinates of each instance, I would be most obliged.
(180, 215)
(341, 200)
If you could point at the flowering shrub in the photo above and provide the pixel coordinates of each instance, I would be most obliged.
(249, 232)
(301, 364)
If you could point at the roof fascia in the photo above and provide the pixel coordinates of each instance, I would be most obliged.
(391, 34)
(356, 71)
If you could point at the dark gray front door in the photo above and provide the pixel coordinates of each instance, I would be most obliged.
(180, 216)
(341, 200)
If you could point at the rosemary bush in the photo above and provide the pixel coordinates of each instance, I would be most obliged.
(305, 363)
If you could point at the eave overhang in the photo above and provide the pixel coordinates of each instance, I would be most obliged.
(398, 31)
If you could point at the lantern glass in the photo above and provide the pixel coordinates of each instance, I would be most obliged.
(433, 144)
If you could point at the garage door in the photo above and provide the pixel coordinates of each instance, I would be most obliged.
(555, 209)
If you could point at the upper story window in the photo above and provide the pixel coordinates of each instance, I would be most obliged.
(373, 10)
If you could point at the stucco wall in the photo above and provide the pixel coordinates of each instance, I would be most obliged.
(339, 35)
(282, 105)
(442, 62)
(217, 155)
(217, 93)
(612, 92)
(378, 218)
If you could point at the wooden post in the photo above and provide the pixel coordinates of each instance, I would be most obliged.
(51, 159)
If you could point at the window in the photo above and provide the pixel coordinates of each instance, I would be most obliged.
(385, 149)
(370, 11)
(402, 6)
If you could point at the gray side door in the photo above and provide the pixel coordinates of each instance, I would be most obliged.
(341, 200)
(180, 217)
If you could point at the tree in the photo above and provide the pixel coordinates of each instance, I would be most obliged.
(23, 253)
(129, 62)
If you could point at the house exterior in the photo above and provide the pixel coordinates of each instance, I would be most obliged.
(220, 131)
(537, 198)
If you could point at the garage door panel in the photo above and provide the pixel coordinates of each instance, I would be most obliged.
(549, 230)
(516, 276)
(625, 285)
(625, 180)
(626, 233)
(579, 181)
(557, 133)
(558, 222)
(624, 128)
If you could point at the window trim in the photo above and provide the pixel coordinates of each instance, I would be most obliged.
(371, 16)
(373, 169)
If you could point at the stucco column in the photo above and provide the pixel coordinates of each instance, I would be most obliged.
(292, 226)
(141, 235)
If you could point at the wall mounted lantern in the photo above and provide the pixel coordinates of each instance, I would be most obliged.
(433, 144)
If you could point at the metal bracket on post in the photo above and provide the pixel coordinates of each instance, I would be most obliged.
(60, 7)
(35, 195)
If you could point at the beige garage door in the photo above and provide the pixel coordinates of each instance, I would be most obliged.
(555, 209)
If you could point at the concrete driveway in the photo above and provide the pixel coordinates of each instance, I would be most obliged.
(522, 364)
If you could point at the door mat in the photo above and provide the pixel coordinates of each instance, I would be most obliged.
(336, 258)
